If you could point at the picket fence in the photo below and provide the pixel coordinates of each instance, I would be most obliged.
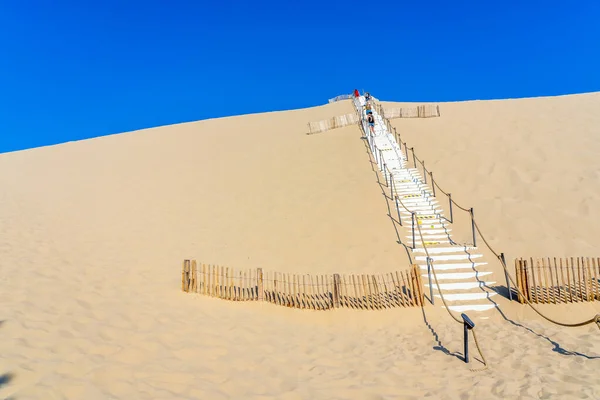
(555, 281)
(332, 123)
(424, 111)
(314, 292)
(341, 97)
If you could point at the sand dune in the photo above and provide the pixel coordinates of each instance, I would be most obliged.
(93, 234)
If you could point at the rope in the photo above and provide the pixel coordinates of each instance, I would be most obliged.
(446, 304)
(595, 319)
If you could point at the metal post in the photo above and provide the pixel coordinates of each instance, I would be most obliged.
(385, 175)
(424, 172)
(391, 186)
(430, 283)
(405, 150)
(450, 200)
(468, 325)
(432, 183)
(506, 276)
(398, 211)
(413, 229)
(473, 227)
(381, 159)
(414, 157)
(466, 340)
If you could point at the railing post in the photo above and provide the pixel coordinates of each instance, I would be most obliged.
(398, 210)
(424, 172)
(473, 227)
(430, 283)
(506, 276)
(405, 150)
(466, 342)
(432, 183)
(414, 157)
(450, 200)
(376, 154)
(413, 229)
(468, 325)
(391, 186)
(385, 174)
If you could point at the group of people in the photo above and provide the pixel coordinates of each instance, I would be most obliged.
(368, 110)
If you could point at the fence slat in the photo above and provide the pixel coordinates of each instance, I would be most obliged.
(588, 280)
(546, 285)
(312, 288)
(558, 283)
(519, 278)
(596, 292)
(540, 282)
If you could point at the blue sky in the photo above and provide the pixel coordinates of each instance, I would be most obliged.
(71, 70)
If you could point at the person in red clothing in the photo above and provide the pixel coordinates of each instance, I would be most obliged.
(356, 94)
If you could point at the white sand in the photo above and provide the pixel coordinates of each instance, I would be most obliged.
(93, 234)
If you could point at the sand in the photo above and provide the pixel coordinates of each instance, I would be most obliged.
(93, 234)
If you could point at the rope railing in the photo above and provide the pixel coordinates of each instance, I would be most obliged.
(431, 269)
(500, 256)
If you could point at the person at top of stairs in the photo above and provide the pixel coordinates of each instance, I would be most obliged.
(356, 94)
(367, 97)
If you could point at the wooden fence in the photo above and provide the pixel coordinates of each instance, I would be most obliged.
(332, 123)
(564, 281)
(341, 97)
(425, 111)
(315, 292)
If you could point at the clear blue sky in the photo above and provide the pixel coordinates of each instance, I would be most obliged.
(76, 69)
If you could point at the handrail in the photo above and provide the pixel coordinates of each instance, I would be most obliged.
(500, 257)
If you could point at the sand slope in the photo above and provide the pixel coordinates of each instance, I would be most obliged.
(93, 234)
(529, 167)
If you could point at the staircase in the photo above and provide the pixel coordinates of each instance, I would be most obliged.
(459, 268)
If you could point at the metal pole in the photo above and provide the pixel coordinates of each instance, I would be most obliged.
(405, 150)
(466, 342)
(385, 174)
(430, 283)
(473, 227)
(424, 172)
(391, 186)
(506, 276)
(413, 229)
(398, 210)
(414, 157)
(432, 183)
(450, 200)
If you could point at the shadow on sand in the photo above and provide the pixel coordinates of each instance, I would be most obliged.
(6, 378)
(500, 290)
